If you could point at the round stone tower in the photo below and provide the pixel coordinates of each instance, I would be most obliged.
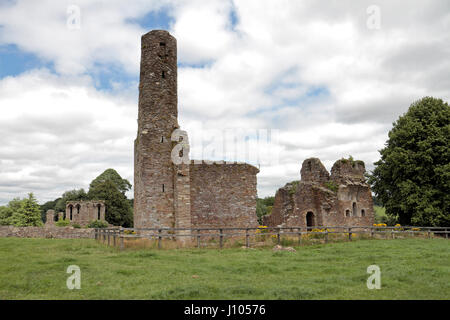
(157, 119)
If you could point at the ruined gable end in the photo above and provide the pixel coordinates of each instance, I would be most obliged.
(314, 171)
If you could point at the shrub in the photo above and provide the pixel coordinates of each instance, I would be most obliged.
(332, 186)
(97, 224)
(62, 223)
(76, 225)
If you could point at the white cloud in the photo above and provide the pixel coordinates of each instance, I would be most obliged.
(59, 134)
(260, 73)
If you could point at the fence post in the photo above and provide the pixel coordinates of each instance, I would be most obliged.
(429, 233)
(122, 246)
(278, 236)
(326, 236)
(446, 233)
(96, 233)
(350, 234)
(159, 238)
(198, 238)
(371, 232)
(247, 242)
(299, 236)
(392, 233)
(104, 235)
(221, 238)
(109, 241)
(114, 238)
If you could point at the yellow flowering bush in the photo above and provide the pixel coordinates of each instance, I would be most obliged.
(261, 229)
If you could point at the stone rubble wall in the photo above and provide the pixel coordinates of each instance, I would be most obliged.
(47, 232)
(350, 205)
(223, 195)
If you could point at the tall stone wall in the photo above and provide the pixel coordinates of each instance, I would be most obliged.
(223, 195)
(157, 119)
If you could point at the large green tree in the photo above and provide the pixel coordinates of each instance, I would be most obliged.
(412, 178)
(110, 186)
(28, 213)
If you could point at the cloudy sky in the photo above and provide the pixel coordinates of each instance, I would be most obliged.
(329, 76)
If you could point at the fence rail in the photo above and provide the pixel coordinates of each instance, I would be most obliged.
(117, 236)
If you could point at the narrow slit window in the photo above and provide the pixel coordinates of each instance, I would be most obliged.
(163, 75)
(162, 139)
(162, 44)
(163, 187)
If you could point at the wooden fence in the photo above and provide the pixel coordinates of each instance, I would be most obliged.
(117, 236)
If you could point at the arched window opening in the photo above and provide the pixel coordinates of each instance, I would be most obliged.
(363, 213)
(347, 213)
(354, 213)
(98, 211)
(310, 220)
(78, 208)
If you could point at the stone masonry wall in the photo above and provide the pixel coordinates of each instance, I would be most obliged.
(223, 195)
(46, 232)
(83, 212)
(350, 205)
(157, 119)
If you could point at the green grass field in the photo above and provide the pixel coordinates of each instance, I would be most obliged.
(410, 269)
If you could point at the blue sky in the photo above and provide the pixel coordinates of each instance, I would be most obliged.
(320, 74)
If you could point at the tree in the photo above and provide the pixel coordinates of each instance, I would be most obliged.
(123, 185)
(110, 187)
(5, 216)
(412, 178)
(264, 207)
(28, 214)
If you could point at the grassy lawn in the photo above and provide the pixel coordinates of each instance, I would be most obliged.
(410, 269)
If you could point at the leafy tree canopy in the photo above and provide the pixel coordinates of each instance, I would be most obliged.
(264, 207)
(123, 185)
(412, 178)
(118, 209)
(24, 212)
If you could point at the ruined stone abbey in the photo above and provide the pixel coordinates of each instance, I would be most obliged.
(189, 194)
(320, 199)
(195, 194)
